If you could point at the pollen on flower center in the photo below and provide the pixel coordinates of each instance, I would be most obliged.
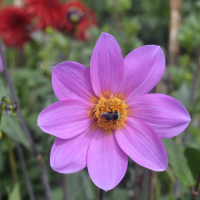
(110, 113)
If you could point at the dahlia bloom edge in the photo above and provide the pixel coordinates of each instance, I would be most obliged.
(107, 113)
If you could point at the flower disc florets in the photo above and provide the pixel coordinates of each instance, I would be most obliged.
(112, 106)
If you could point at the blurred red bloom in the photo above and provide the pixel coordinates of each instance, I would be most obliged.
(71, 17)
(77, 19)
(14, 26)
(47, 12)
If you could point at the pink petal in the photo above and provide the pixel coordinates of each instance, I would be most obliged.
(66, 119)
(143, 68)
(1, 63)
(106, 66)
(106, 162)
(142, 144)
(71, 80)
(69, 156)
(166, 115)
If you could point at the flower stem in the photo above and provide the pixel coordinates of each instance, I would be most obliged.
(196, 76)
(34, 151)
(100, 194)
(77, 32)
(12, 160)
(23, 164)
(64, 186)
(195, 192)
(194, 87)
(25, 172)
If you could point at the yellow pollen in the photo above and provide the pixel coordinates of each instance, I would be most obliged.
(112, 106)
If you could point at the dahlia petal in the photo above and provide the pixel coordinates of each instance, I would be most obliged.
(69, 156)
(106, 162)
(164, 114)
(142, 145)
(65, 119)
(1, 64)
(106, 65)
(143, 68)
(71, 80)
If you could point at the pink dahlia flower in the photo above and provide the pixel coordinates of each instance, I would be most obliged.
(105, 115)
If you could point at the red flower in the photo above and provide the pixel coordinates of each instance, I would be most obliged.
(14, 26)
(77, 19)
(71, 17)
(47, 12)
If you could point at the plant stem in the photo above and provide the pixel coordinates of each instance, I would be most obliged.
(196, 75)
(25, 172)
(175, 24)
(77, 32)
(100, 194)
(0, 149)
(149, 172)
(24, 169)
(34, 151)
(139, 175)
(195, 193)
(0, 187)
(154, 185)
(12, 160)
(64, 186)
(194, 87)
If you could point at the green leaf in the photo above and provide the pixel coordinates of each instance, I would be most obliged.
(57, 193)
(193, 159)
(183, 94)
(169, 196)
(195, 106)
(117, 194)
(178, 163)
(11, 127)
(2, 90)
(80, 186)
(15, 194)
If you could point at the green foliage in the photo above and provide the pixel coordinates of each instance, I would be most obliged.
(15, 194)
(7, 2)
(117, 6)
(133, 24)
(80, 186)
(190, 33)
(3, 91)
(118, 195)
(178, 162)
(184, 94)
(193, 159)
(11, 127)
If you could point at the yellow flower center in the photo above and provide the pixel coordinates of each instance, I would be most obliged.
(110, 113)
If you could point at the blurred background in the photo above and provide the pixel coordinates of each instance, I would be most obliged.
(38, 34)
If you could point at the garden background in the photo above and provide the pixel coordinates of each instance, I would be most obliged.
(172, 24)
